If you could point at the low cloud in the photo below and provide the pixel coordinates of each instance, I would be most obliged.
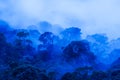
(92, 16)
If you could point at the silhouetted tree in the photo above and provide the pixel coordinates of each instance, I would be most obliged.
(3, 44)
(27, 72)
(99, 75)
(78, 50)
(48, 38)
(67, 76)
(22, 34)
(7, 53)
(2, 40)
(43, 55)
(52, 75)
(82, 73)
(115, 75)
(115, 64)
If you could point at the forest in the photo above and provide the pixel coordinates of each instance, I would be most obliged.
(31, 54)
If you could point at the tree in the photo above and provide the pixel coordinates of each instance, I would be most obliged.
(115, 75)
(81, 73)
(67, 76)
(115, 64)
(27, 72)
(7, 53)
(99, 38)
(114, 55)
(22, 34)
(99, 75)
(23, 44)
(71, 34)
(4, 26)
(48, 38)
(2, 40)
(43, 55)
(99, 46)
(78, 50)
(3, 44)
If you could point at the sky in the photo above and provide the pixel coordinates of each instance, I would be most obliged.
(92, 16)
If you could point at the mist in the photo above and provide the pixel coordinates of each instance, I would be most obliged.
(92, 16)
(59, 40)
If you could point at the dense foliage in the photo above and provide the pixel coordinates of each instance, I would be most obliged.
(27, 54)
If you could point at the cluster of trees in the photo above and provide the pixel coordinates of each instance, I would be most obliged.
(27, 54)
